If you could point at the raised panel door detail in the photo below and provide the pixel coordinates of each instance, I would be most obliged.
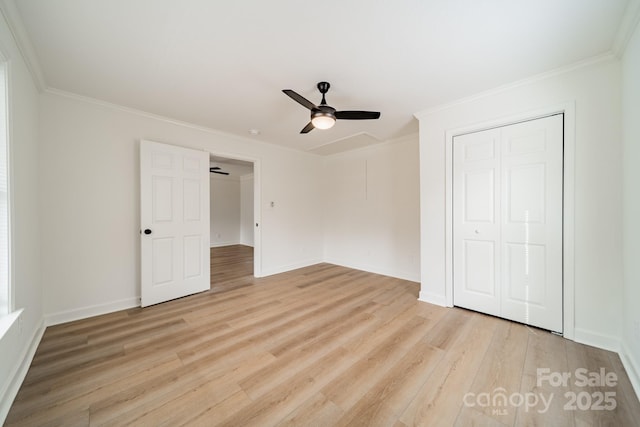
(174, 206)
(162, 198)
(526, 194)
(161, 160)
(191, 202)
(507, 197)
(527, 143)
(479, 267)
(479, 150)
(479, 196)
(525, 272)
(162, 271)
(191, 165)
(192, 256)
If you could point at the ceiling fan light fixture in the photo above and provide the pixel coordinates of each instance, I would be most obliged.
(323, 120)
(324, 116)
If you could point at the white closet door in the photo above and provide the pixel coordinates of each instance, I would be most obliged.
(476, 216)
(516, 263)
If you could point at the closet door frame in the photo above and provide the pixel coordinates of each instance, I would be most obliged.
(568, 109)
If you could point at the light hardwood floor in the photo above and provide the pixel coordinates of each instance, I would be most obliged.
(231, 267)
(319, 346)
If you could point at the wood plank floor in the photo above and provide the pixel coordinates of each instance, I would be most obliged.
(319, 346)
(231, 267)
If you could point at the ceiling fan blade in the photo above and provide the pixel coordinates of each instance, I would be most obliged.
(357, 115)
(220, 172)
(300, 99)
(308, 128)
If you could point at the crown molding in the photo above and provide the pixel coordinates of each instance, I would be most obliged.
(168, 120)
(13, 19)
(627, 27)
(594, 60)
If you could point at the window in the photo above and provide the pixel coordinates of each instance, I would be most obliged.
(5, 289)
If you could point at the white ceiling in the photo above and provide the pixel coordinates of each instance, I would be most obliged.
(223, 64)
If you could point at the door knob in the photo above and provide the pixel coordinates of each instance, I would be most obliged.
(147, 231)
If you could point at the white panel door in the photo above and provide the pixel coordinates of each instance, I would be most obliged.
(532, 222)
(174, 193)
(507, 231)
(476, 192)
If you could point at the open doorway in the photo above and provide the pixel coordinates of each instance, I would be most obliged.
(232, 223)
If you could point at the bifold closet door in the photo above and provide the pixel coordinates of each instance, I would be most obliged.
(507, 222)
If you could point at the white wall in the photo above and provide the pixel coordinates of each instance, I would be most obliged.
(595, 89)
(246, 210)
(224, 210)
(90, 201)
(18, 343)
(631, 206)
(372, 211)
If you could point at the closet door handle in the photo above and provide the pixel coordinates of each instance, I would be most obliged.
(147, 231)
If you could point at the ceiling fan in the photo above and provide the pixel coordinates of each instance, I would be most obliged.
(218, 170)
(324, 116)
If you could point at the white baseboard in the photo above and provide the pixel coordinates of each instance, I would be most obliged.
(433, 299)
(283, 269)
(633, 370)
(90, 311)
(20, 372)
(376, 270)
(221, 244)
(595, 339)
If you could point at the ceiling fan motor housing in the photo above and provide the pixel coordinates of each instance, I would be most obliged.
(324, 116)
(323, 87)
(323, 110)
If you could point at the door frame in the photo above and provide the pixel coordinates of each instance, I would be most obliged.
(568, 212)
(257, 205)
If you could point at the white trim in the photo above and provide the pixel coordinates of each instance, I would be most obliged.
(257, 205)
(633, 371)
(604, 58)
(21, 37)
(596, 339)
(403, 275)
(6, 67)
(289, 267)
(627, 27)
(432, 298)
(227, 243)
(7, 321)
(90, 311)
(568, 109)
(168, 120)
(8, 394)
